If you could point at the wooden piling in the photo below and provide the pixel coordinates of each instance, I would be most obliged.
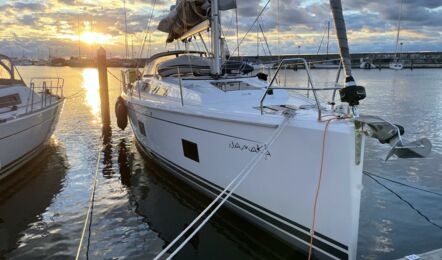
(104, 90)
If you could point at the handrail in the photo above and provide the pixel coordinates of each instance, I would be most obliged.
(338, 74)
(55, 83)
(310, 83)
(316, 89)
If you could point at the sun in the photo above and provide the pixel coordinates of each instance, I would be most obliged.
(93, 37)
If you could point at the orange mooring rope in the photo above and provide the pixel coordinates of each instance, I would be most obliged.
(312, 230)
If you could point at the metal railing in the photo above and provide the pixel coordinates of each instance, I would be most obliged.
(48, 88)
(310, 84)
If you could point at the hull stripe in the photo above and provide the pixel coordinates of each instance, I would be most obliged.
(338, 250)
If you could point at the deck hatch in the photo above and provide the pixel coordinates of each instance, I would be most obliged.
(233, 85)
(190, 150)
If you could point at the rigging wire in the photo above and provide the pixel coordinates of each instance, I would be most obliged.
(237, 28)
(252, 26)
(265, 38)
(322, 40)
(277, 31)
(147, 33)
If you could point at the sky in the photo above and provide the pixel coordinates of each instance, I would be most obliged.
(36, 28)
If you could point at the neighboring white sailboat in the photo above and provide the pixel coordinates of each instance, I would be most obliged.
(397, 64)
(207, 127)
(366, 64)
(28, 115)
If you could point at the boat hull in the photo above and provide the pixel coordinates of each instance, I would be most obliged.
(396, 66)
(278, 196)
(22, 138)
(367, 65)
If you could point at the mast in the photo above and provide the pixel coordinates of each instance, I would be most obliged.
(257, 39)
(132, 38)
(398, 30)
(79, 37)
(328, 37)
(351, 93)
(125, 28)
(216, 40)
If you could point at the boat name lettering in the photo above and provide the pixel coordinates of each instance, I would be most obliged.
(251, 148)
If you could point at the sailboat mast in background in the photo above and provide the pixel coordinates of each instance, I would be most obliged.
(398, 30)
(328, 38)
(79, 36)
(396, 64)
(125, 30)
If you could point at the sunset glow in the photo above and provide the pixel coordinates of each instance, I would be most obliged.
(35, 26)
(94, 38)
(91, 85)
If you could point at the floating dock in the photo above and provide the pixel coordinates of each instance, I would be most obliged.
(431, 255)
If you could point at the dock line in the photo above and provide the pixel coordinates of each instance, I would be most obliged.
(115, 77)
(75, 94)
(401, 183)
(406, 201)
(91, 204)
(236, 182)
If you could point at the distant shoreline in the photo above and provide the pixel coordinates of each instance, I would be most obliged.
(410, 60)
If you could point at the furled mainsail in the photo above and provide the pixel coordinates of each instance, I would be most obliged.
(341, 33)
(188, 13)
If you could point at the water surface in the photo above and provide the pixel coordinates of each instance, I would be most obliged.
(139, 207)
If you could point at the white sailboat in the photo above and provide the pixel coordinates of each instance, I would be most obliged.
(208, 127)
(28, 115)
(366, 64)
(397, 64)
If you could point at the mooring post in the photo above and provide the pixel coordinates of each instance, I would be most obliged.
(104, 91)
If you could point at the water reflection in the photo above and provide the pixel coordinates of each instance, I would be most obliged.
(31, 189)
(92, 87)
(124, 162)
(171, 205)
(140, 207)
(107, 152)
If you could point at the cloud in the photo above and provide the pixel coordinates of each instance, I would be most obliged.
(371, 24)
(28, 6)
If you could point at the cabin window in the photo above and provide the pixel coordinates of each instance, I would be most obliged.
(233, 85)
(158, 90)
(190, 150)
(10, 100)
(146, 86)
(141, 127)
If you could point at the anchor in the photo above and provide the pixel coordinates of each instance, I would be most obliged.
(390, 133)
